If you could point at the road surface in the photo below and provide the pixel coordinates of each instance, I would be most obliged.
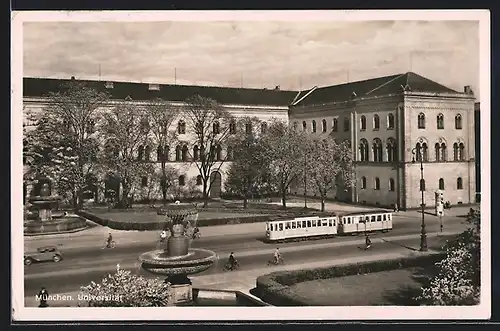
(83, 265)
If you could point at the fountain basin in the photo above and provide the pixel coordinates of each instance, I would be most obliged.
(196, 261)
(55, 225)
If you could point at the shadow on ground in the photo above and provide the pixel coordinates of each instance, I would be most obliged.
(406, 295)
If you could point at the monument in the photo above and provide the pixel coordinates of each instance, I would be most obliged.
(176, 260)
(46, 222)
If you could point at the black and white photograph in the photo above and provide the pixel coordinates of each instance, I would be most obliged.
(250, 165)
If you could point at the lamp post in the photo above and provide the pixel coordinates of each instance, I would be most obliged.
(423, 232)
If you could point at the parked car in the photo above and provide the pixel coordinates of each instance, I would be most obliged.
(43, 254)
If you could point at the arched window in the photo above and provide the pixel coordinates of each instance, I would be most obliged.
(363, 123)
(144, 181)
(248, 128)
(392, 155)
(441, 184)
(140, 153)
(323, 125)
(335, 125)
(304, 126)
(196, 153)
(314, 126)
(421, 121)
(363, 150)
(461, 152)
(346, 124)
(229, 153)
(458, 122)
(392, 186)
(390, 121)
(440, 121)
(377, 183)
(376, 122)
(216, 127)
(181, 127)
(418, 152)
(184, 153)
(218, 152)
(159, 153)
(444, 154)
(199, 180)
(147, 153)
(178, 153)
(232, 127)
(377, 150)
(263, 127)
(459, 184)
(425, 152)
(437, 148)
(455, 152)
(422, 185)
(182, 180)
(363, 182)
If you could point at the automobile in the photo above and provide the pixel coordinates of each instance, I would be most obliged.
(43, 254)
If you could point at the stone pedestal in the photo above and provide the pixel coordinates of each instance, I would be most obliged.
(181, 294)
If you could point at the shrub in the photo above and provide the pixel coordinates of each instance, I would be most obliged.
(123, 289)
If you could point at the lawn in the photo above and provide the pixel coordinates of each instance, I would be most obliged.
(388, 288)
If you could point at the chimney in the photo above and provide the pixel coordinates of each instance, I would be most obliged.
(72, 77)
(468, 89)
(277, 88)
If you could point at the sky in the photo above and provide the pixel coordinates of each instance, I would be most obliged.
(296, 55)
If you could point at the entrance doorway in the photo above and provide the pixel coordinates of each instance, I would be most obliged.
(216, 180)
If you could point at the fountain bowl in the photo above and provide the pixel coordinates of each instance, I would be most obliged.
(158, 262)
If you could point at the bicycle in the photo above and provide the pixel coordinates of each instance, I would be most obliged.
(229, 267)
(110, 244)
(276, 262)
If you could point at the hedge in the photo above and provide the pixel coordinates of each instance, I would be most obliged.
(273, 288)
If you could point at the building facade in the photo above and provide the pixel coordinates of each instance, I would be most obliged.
(388, 122)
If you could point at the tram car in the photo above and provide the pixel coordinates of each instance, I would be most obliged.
(317, 227)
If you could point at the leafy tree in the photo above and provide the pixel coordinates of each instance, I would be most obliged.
(210, 124)
(330, 165)
(63, 144)
(246, 173)
(124, 289)
(161, 115)
(284, 152)
(458, 279)
(125, 130)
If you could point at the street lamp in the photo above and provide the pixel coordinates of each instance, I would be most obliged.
(423, 232)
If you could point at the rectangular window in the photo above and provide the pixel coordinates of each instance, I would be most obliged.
(288, 226)
(281, 226)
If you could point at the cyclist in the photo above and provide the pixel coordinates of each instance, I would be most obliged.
(277, 256)
(196, 233)
(163, 236)
(232, 263)
(109, 240)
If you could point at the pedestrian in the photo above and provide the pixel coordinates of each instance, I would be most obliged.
(396, 209)
(43, 296)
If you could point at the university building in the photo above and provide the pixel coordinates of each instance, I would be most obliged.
(388, 122)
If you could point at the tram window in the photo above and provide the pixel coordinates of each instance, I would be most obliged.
(308, 224)
(313, 223)
(294, 225)
(280, 227)
(299, 224)
(379, 218)
(384, 217)
(367, 219)
(304, 224)
(287, 226)
(373, 218)
(325, 223)
(330, 222)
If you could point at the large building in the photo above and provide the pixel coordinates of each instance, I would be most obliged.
(384, 119)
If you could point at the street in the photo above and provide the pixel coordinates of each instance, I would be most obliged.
(81, 265)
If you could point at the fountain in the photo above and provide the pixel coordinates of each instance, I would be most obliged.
(177, 260)
(46, 222)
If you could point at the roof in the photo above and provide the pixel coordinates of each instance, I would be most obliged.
(373, 87)
(40, 87)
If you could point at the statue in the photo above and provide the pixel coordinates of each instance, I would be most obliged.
(45, 190)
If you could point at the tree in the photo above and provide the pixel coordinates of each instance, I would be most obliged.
(123, 289)
(125, 130)
(64, 142)
(331, 166)
(458, 279)
(210, 124)
(246, 172)
(161, 115)
(284, 153)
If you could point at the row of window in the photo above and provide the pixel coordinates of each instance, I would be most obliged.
(376, 184)
(182, 153)
(347, 125)
(216, 127)
(440, 152)
(181, 181)
(377, 150)
(439, 121)
(459, 184)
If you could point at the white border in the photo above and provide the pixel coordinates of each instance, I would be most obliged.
(20, 313)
